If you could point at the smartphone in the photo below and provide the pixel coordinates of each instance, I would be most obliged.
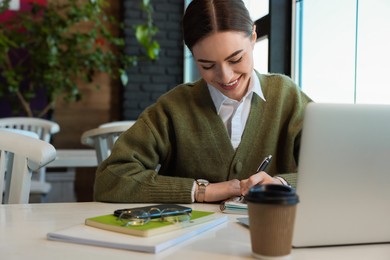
(169, 210)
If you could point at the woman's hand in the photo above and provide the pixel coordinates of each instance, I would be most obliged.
(258, 178)
(222, 190)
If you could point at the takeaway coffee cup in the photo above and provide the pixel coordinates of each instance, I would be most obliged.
(271, 211)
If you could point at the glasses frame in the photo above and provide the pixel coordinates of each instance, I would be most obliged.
(139, 217)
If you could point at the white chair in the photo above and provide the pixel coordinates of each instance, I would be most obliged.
(44, 129)
(118, 123)
(20, 155)
(23, 132)
(103, 139)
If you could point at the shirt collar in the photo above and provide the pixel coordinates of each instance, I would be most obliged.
(218, 98)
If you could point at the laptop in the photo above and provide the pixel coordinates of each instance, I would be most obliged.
(344, 176)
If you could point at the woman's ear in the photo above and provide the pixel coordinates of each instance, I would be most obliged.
(254, 35)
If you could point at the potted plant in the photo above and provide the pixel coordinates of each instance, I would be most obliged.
(51, 48)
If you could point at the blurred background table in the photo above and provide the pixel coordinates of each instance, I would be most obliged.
(61, 173)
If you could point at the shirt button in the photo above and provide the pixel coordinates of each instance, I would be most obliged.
(238, 167)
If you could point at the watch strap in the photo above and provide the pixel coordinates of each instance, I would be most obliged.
(200, 193)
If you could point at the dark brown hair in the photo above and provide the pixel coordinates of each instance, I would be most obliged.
(203, 17)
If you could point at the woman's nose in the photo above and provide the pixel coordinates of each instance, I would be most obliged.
(225, 74)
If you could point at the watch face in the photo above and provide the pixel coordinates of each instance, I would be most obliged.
(202, 182)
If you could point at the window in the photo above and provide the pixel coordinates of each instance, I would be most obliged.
(258, 9)
(341, 50)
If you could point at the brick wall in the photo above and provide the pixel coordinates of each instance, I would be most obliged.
(149, 80)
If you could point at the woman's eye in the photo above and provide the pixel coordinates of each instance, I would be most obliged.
(208, 67)
(236, 61)
(231, 62)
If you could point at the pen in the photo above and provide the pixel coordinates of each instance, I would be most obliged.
(264, 163)
(262, 167)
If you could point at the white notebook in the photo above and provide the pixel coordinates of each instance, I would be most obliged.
(234, 205)
(87, 235)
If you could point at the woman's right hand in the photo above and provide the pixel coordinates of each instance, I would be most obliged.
(257, 178)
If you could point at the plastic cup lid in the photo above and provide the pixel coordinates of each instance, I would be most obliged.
(272, 194)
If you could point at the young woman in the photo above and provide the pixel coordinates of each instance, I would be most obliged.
(209, 137)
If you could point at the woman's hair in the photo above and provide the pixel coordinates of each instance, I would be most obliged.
(203, 17)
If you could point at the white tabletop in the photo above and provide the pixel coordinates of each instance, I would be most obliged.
(23, 229)
(74, 158)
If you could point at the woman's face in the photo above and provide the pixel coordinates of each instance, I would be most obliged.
(225, 61)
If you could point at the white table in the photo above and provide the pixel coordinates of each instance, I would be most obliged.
(62, 182)
(23, 230)
(73, 158)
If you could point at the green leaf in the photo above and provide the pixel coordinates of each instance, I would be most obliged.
(124, 77)
(153, 50)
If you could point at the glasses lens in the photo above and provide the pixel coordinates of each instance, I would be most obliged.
(175, 215)
(134, 217)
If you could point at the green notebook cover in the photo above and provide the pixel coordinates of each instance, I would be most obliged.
(110, 222)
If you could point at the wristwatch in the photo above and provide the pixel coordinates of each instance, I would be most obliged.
(202, 184)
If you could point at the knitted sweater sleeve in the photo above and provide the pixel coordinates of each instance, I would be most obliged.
(129, 174)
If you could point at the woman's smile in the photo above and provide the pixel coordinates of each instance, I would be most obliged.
(231, 85)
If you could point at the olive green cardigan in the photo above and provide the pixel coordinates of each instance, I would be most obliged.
(184, 134)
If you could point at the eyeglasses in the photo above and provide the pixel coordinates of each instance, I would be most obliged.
(141, 217)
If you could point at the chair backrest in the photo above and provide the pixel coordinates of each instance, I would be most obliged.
(20, 155)
(128, 123)
(103, 139)
(23, 132)
(43, 127)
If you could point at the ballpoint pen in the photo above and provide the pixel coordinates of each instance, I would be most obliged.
(264, 163)
(262, 167)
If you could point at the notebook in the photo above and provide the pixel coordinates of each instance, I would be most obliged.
(344, 176)
(87, 235)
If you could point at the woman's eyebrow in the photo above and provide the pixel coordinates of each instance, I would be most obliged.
(233, 54)
(228, 57)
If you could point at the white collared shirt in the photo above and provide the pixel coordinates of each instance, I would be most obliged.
(233, 113)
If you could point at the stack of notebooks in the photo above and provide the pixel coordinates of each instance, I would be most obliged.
(234, 205)
(153, 237)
